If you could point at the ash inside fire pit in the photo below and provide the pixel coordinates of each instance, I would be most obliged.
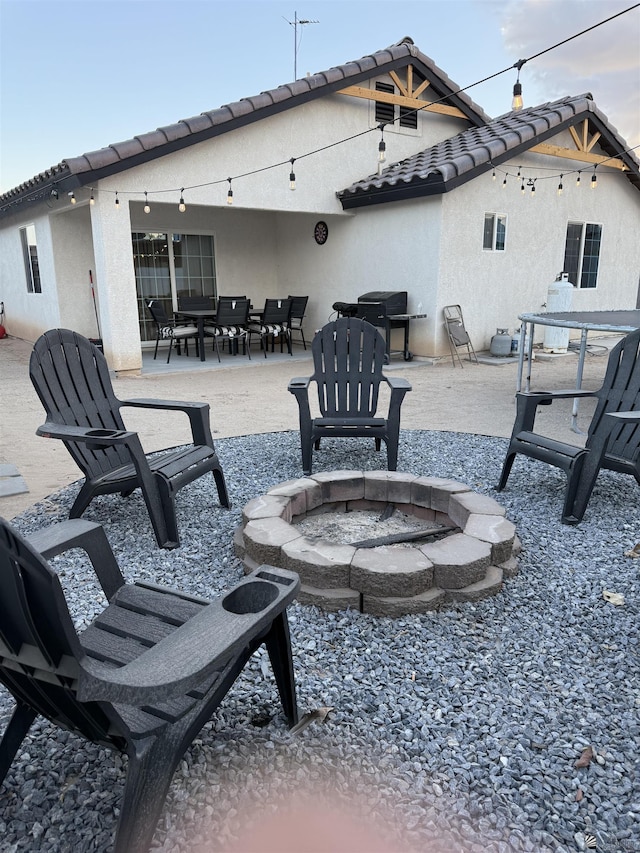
(338, 531)
(368, 529)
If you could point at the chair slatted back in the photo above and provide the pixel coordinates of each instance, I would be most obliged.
(158, 313)
(39, 647)
(620, 392)
(276, 312)
(195, 303)
(298, 307)
(348, 357)
(71, 378)
(232, 312)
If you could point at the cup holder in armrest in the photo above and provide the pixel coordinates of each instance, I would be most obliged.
(103, 433)
(251, 597)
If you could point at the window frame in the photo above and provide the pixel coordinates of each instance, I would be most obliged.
(574, 262)
(498, 241)
(30, 258)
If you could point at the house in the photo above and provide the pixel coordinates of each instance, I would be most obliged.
(85, 243)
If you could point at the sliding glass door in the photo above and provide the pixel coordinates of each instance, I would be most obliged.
(167, 266)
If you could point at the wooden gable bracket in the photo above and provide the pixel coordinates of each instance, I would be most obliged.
(408, 97)
(582, 151)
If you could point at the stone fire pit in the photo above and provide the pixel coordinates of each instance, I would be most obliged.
(388, 580)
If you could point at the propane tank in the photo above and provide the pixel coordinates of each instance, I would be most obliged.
(559, 298)
(501, 343)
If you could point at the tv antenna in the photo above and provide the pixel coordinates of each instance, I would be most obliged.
(295, 24)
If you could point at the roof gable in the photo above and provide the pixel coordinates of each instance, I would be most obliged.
(454, 161)
(117, 157)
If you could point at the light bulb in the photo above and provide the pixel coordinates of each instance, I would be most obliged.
(117, 202)
(504, 183)
(560, 187)
(382, 149)
(229, 193)
(182, 206)
(594, 181)
(72, 197)
(147, 209)
(578, 180)
(292, 176)
(522, 188)
(493, 176)
(517, 102)
(92, 200)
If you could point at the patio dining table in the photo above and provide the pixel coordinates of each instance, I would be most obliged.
(199, 315)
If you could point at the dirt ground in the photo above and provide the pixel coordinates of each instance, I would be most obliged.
(251, 397)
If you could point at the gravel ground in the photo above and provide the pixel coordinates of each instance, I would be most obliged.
(458, 729)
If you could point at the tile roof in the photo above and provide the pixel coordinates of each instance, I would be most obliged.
(90, 167)
(461, 158)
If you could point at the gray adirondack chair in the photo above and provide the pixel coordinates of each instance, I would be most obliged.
(72, 380)
(613, 439)
(348, 358)
(145, 676)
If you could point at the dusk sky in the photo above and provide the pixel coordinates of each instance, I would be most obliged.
(79, 75)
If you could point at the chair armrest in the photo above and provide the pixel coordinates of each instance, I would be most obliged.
(199, 647)
(298, 384)
(80, 533)
(563, 394)
(396, 383)
(527, 403)
(198, 414)
(98, 438)
(626, 417)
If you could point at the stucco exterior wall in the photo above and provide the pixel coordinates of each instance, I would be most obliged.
(494, 287)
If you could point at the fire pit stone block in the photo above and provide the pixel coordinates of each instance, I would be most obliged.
(435, 492)
(388, 486)
(319, 564)
(340, 485)
(267, 506)
(385, 572)
(264, 538)
(462, 506)
(394, 607)
(498, 531)
(458, 560)
(304, 494)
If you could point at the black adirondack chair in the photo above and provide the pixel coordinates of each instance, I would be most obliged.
(348, 357)
(612, 442)
(145, 676)
(72, 380)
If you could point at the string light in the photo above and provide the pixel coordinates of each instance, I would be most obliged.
(72, 197)
(382, 149)
(531, 183)
(182, 206)
(560, 186)
(92, 200)
(493, 176)
(504, 183)
(117, 201)
(147, 209)
(594, 179)
(229, 193)
(522, 187)
(578, 180)
(292, 176)
(517, 103)
(54, 193)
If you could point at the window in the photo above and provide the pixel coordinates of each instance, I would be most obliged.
(386, 113)
(30, 254)
(168, 266)
(495, 230)
(582, 253)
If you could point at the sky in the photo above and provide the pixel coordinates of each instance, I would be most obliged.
(78, 75)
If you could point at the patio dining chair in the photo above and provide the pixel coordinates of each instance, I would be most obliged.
(273, 323)
(298, 309)
(170, 329)
(72, 380)
(142, 679)
(230, 325)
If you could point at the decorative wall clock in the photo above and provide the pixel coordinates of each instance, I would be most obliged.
(320, 233)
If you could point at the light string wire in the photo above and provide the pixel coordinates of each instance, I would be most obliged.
(518, 65)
